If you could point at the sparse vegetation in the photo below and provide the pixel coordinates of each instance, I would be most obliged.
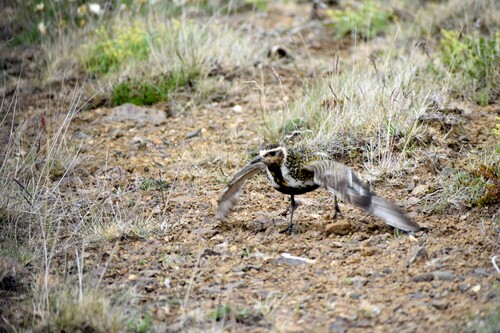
(474, 64)
(72, 310)
(365, 19)
(111, 50)
(148, 90)
(359, 109)
(94, 239)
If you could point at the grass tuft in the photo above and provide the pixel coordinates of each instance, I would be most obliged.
(88, 311)
(359, 109)
(366, 20)
(473, 62)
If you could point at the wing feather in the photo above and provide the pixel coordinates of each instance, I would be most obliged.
(343, 181)
(233, 189)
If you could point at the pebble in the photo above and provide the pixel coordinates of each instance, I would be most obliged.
(410, 186)
(193, 134)
(338, 326)
(444, 275)
(419, 253)
(425, 277)
(355, 296)
(440, 304)
(418, 190)
(340, 228)
(481, 271)
(136, 114)
(359, 281)
(293, 260)
(314, 253)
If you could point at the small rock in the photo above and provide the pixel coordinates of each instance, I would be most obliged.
(446, 172)
(132, 277)
(476, 288)
(411, 201)
(368, 252)
(444, 275)
(481, 271)
(340, 228)
(137, 140)
(207, 232)
(314, 253)
(489, 296)
(464, 287)
(80, 135)
(209, 252)
(339, 325)
(355, 296)
(359, 281)
(130, 112)
(237, 108)
(246, 268)
(440, 304)
(293, 260)
(193, 134)
(166, 283)
(151, 273)
(425, 277)
(410, 186)
(419, 253)
(419, 189)
(417, 295)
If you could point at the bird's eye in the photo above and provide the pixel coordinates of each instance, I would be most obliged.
(272, 153)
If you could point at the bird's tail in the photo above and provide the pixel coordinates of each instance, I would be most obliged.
(392, 215)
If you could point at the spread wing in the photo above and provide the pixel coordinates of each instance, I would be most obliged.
(342, 181)
(233, 189)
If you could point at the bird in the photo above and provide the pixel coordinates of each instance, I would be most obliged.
(298, 170)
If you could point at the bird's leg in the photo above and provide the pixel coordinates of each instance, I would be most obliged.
(293, 205)
(337, 208)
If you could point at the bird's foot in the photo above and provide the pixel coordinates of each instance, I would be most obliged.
(337, 214)
(288, 230)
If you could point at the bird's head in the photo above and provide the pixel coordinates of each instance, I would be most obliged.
(271, 155)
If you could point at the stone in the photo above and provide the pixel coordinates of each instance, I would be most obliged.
(340, 228)
(131, 112)
(425, 277)
(444, 275)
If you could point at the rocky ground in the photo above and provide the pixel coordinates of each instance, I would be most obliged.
(190, 272)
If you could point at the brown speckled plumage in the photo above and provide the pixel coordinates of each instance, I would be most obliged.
(301, 170)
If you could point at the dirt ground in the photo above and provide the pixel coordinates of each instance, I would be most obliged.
(359, 276)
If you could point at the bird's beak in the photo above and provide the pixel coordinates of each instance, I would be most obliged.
(258, 159)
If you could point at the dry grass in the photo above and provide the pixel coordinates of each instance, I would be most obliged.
(135, 50)
(41, 218)
(367, 107)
